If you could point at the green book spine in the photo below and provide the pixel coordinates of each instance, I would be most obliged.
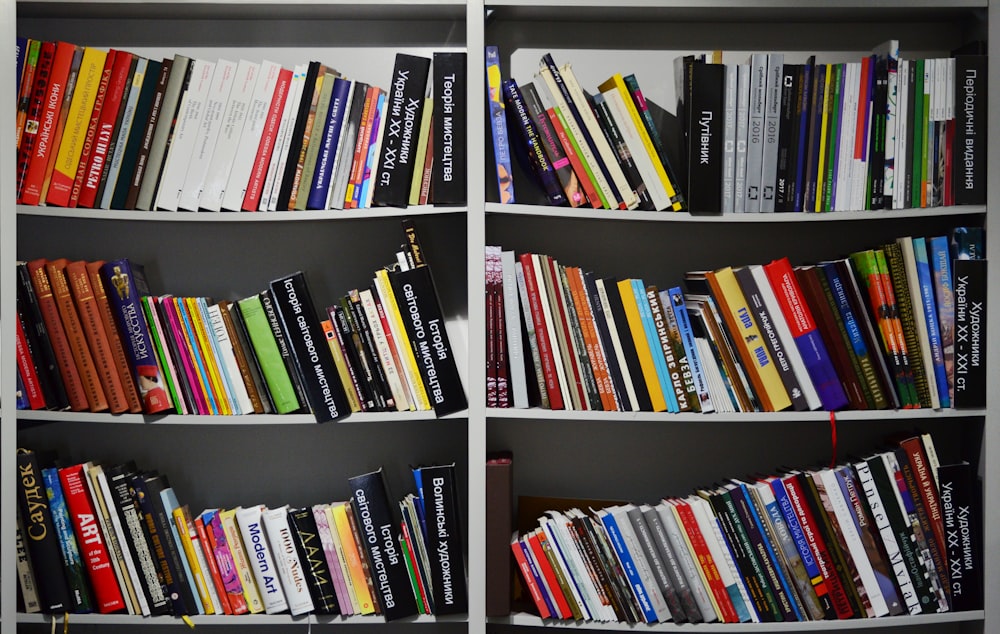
(919, 156)
(162, 352)
(279, 384)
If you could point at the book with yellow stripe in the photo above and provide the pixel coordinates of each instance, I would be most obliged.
(235, 543)
(211, 360)
(196, 560)
(617, 82)
(750, 345)
(77, 123)
(401, 340)
(642, 346)
(821, 168)
(352, 553)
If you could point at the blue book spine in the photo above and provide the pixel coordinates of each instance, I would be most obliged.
(336, 116)
(169, 499)
(22, 54)
(536, 157)
(67, 540)
(679, 306)
(653, 340)
(498, 126)
(929, 304)
(625, 558)
(940, 263)
(771, 554)
(21, 397)
(529, 557)
(821, 371)
(800, 156)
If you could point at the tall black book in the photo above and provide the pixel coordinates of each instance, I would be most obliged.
(627, 344)
(970, 333)
(448, 173)
(320, 381)
(379, 527)
(704, 108)
(40, 534)
(38, 337)
(443, 537)
(961, 513)
(146, 490)
(404, 106)
(971, 116)
(310, 549)
(298, 131)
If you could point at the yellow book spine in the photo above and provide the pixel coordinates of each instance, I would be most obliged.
(365, 602)
(211, 362)
(345, 571)
(184, 531)
(180, 307)
(330, 332)
(421, 157)
(641, 346)
(410, 369)
(774, 396)
(821, 168)
(618, 83)
(77, 122)
(235, 543)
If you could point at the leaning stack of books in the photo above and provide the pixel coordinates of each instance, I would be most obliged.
(901, 325)
(875, 537)
(145, 553)
(91, 337)
(114, 130)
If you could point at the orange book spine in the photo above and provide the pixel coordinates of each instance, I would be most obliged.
(97, 336)
(57, 334)
(208, 547)
(82, 356)
(598, 362)
(361, 148)
(114, 337)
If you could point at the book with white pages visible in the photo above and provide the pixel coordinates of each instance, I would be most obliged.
(253, 127)
(216, 175)
(616, 343)
(228, 358)
(515, 348)
(276, 168)
(208, 134)
(636, 148)
(186, 130)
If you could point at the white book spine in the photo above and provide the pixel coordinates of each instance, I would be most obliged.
(855, 546)
(111, 539)
(616, 343)
(208, 134)
(276, 168)
(847, 132)
(265, 571)
(643, 162)
(230, 130)
(540, 281)
(123, 543)
(890, 52)
(253, 128)
(755, 133)
(785, 334)
(399, 393)
(570, 571)
(512, 323)
(189, 117)
(902, 169)
(214, 358)
(241, 399)
(695, 579)
(742, 137)
(730, 104)
(128, 118)
(772, 121)
(286, 558)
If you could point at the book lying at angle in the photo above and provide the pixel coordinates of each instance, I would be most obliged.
(403, 111)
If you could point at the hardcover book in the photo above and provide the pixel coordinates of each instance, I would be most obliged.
(309, 547)
(378, 526)
(705, 109)
(265, 571)
(443, 536)
(293, 575)
(498, 126)
(448, 172)
(970, 278)
(40, 534)
(971, 73)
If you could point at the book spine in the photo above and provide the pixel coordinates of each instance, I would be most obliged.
(279, 385)
(962, 530)
(168, 558)
(398, 151)
(250, 521)
(310, 553)
(244, 567)
(444, 540)
(219, 550)
(40, 533)
(293, 575)
(539, 161)
(970, 333)
(706, 119)
(127, 197)
(328, 145)
(114, 338)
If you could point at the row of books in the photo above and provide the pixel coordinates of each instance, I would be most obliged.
(901, 325)
(601, 151)
(889, 534)
(114, 130)
(80, 347)
(114, 538)
(880, 133)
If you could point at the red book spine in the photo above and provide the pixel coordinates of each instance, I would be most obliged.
(26, 366)
(251, 200)
(706, 561)
(574, 160)
(45, 137)
(57, 334)
(541, 333)
(545, 568)
(208, 547)
(95, 117)
(36, 106)
(117, 84)
(107, 595)
(559, 310)
(529, 579)
(818, 546)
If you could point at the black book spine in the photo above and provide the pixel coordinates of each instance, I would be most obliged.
(359, 321)
(604, 332)
(38, 336)
(971, 114)
(320, 382)
(282, 340)
(342, 322)
(310, 549)
(791, 76)
(404, 106)
(876, 151)
(449, 129)
(444, 539)
(816, 100)
(628, 345)
(156, 593)
(40, 534)
(157, 525)
(530, 144)
(295, 147)
(378, 528)
(705, 108)
(424, 321)
(575, 333)
(613, 135)
(963, 535)
(970, 333)
(803, 113)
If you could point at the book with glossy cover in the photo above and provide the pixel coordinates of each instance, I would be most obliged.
(443, 536)
(309, 547)
(75, 576)
(250, 522)
(290, 569)
(498, 126)
(40, 534)
(279, 385)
